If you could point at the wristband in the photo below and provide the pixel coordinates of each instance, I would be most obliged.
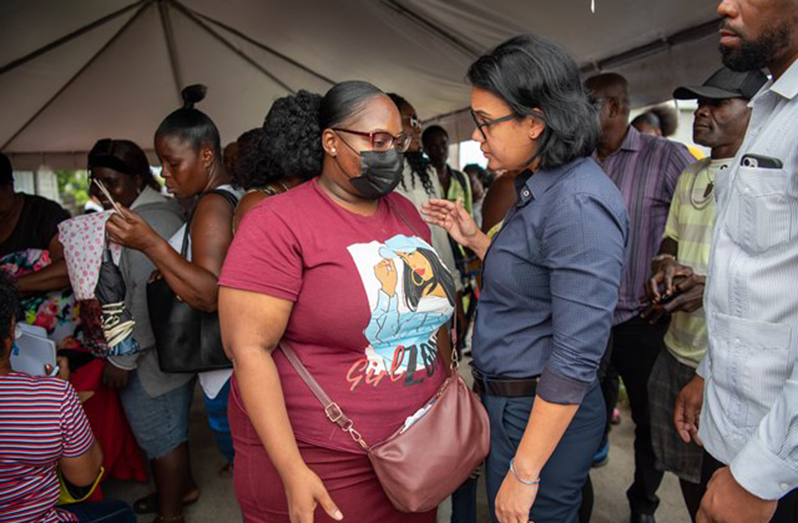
(524, 481)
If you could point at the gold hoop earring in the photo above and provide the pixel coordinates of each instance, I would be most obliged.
(413, 275)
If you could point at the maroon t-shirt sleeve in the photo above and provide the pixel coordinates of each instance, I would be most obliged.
(265, 256)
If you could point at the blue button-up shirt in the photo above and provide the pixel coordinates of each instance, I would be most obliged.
(551, 280)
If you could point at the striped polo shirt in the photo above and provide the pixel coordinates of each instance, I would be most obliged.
(645, 169)
(41, 421)
(690, 224)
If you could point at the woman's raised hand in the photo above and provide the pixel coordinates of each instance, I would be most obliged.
(454, 219)
(128, 229)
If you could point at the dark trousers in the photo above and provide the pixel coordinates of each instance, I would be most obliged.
(102, 512)
(563, 478)
(634, 350)
(464, 502)
(787, 511)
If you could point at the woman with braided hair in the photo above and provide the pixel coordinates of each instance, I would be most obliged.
(420, 183)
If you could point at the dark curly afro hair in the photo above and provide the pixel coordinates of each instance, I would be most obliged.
(291, 135)
(9, 308)
(287, 145)
(251, 167)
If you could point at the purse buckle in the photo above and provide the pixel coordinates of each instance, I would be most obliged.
(333, 412)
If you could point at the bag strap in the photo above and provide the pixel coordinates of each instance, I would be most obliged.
(229, 197)
(453, 331)
(331, 409)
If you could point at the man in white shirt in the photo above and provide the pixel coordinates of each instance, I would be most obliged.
(748, 382)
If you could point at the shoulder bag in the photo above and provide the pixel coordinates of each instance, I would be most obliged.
(186, 339)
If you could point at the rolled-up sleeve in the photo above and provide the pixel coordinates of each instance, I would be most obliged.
(585, 246)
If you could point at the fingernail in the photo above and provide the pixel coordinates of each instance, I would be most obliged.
(338, 515)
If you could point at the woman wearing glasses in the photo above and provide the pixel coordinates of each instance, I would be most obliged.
(551, 278)
(341, 268)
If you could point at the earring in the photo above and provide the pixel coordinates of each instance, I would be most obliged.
(333, 152)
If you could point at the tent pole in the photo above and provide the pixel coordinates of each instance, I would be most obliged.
(265, 47)
(66, 38)
(241, 54)
(456, 42)
(171, 46)
(49, 102)
(685, 36)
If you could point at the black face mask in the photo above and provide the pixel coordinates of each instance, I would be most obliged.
(381, 172)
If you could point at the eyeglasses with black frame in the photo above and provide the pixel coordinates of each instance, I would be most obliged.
(483, 123)
(381, 141)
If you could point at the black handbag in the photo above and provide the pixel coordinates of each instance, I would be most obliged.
(186, 339)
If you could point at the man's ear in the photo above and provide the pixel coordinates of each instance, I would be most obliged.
(613, 106)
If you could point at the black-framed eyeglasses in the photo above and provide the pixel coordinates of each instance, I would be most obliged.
(381, 141)
(484, 123)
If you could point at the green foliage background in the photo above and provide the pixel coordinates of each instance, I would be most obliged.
(75, 184)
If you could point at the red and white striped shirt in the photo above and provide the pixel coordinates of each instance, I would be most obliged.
(41, 420)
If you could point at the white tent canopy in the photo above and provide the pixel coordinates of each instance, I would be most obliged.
(73, 71)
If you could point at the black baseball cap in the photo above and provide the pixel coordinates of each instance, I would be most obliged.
(725, 83)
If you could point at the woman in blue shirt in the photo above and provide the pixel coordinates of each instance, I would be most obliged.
(551, 278)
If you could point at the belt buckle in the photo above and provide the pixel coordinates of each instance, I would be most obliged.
(333, 412)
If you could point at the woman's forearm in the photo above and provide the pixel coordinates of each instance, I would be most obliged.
(52, 278)
(259, 384)
(480, 244)
(546, 426)
(193, 284)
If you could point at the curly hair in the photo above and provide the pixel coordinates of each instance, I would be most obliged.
(250, 169)
(291, 141)
(9, 307)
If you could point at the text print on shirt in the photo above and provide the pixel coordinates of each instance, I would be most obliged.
(411, 295)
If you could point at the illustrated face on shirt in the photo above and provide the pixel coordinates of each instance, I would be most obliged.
(410, 295)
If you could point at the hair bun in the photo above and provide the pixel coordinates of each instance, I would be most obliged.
(193, 94)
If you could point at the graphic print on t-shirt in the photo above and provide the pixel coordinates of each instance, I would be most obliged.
(411, 295)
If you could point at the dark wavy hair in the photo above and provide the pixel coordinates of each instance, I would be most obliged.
(531, 72)
(192, 125)
(418, 163)
(124, 157)
(440, 276)
(9, 307)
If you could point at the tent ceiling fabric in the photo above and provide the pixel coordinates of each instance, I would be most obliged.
(119, 79)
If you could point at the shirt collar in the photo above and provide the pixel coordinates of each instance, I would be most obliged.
(531, 185)
(787, 85)
(633, 140)
(147, 196)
